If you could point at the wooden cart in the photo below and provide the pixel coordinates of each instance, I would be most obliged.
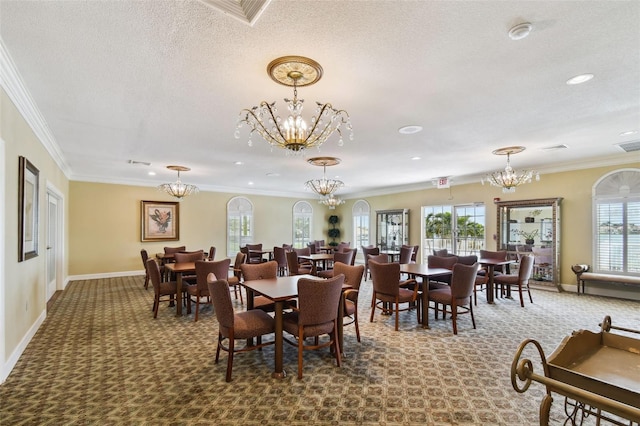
(597, 373)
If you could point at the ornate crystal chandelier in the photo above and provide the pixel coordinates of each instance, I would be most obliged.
(331, 201)
(294, 134)
(508, 179)
(178, 189)
(324, 187)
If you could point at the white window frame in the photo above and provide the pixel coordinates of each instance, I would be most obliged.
(302, 216)
(239, 208)
(361, 211)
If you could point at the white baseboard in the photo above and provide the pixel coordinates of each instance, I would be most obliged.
(615, 290)
(15, 356)
(103, 275)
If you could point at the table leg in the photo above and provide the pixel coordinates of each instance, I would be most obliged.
(279, 372)
(250, 297)
(425, 302)
(490, 269)
(179, 294)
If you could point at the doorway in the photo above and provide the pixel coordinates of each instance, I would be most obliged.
(54, 240)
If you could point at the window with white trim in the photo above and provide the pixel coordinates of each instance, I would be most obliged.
(459, 229)
(361, 212)
(239, 224)
(302, 220)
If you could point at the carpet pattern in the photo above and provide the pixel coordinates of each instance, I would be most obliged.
(101, 359)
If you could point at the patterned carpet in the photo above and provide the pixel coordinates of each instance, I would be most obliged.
(101, 359)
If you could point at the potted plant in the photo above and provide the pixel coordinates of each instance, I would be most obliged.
(334, 233)
(529, 236)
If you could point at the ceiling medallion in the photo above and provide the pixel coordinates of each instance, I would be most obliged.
(508, 179)
(294, 134)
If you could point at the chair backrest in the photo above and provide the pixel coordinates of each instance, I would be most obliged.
(405, 254)
(287, 247)
(144, 255)
(221, 298)
(415, 253)
(352, 274)
(319, 243)
(526, 268)
(292, 262)
(344, 257)
(487, 254)
(239, 260)
(279, 255)
(353, 256)
(440, 252)
(441, 261)
(386, 277)
(312, 248)
(259, 271)
(191, 256)
(342, 246)
(171, 250)
(366, 251)
(468, 260)
(154, 274)
(212, 253)
(380, 258)
(203, 268)
(463, 280)
(306, 251)
(318, 300)
(254, 257)
(542, 255)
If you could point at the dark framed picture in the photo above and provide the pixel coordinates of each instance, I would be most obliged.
(28, 179)
(160, 221)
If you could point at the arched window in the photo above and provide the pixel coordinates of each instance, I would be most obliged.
(239, 224)
(361, 212)
(616, 227)
(302, 219)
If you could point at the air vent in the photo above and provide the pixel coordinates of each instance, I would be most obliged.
(140, 163)
(554, 148)
(630, 146)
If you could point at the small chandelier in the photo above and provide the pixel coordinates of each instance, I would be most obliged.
(508, 178)
(178, 189)
(294, 134)
(324, 187)
(331, 201)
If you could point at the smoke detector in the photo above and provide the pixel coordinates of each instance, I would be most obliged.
(520, 31)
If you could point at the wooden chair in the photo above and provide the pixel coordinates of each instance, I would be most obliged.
(353, 277)
(405, 255)
(389, 290)
(200, 290)
(189, 256)
(145, 256)
(231, 325)
(260, 271)
(235, 278)
(521, 280)
(317, 315)
(162, 291)
(366, 251)
(280, 256)
(212, 253)
(294, 267)
(254, 257)
(458, 295)
(343, 257)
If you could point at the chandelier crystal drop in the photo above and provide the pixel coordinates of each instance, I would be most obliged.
(324, 187)
(331, 201)
(178, 189)
(508, 179)
(294, 134)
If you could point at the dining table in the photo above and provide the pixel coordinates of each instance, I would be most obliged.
(279, 290)
(491, 266)
(179, 269)
(315, 259)
(423, 271)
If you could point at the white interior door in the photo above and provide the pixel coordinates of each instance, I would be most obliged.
(52, 244)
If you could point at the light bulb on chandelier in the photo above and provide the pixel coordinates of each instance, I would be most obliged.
(178, 189)
(508, 179)
(293, 134)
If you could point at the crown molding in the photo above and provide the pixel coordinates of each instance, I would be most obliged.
(12, 83)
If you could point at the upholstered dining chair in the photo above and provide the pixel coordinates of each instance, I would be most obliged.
(254, 257)
(458, 295)
(145, 256)
(343, 257)
(260, 271)
(380, 258)
(405, 254)
(481, 280)
(200, 290)
(520, 280)
(366, 251)
(173, 250)
(342, 246)
(389, 291)
(316, 315)
(294, 267)
(280, 256)
(312, 248)
(354, 252)
(241, 326)
(212, 253)
(445, 262)
(234, 279)
(352, 277)
(162, 291)
(189, 256)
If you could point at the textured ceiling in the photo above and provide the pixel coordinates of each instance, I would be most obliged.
(163, 82)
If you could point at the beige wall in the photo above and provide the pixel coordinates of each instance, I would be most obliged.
(575, 209)
(105, 233)
(25, 286)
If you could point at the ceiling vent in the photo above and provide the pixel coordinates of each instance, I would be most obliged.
(629, 146)
(554, 148)
(246, 11)
(141, 163)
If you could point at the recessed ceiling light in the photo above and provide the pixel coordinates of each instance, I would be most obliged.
(250, 183)
(410, 130)
(416, 158)
(579, 79)
(152, 173)
(520, 31)
(238, 163)
(629, 132)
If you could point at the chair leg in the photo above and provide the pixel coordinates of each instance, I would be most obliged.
(197, 307)
(355, 320)
(240, 291)
(454, 316)
(397, 313)
(529, 291)
(473, 320)
(521, 298)
(230, 358)
(156, 302)
(300, 350)
(146, 281)
(218, 348)
(336, 344)
(373, 306)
